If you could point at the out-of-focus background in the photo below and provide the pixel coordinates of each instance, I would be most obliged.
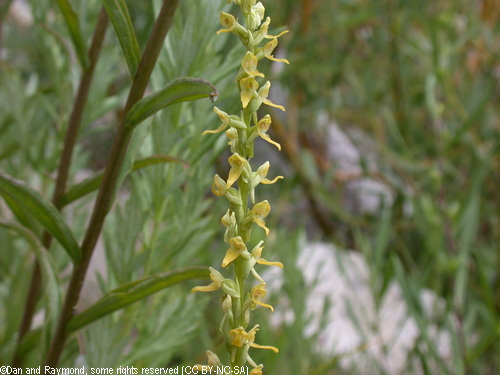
(387, 220)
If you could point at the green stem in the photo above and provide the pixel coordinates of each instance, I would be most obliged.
(107, 189)
(74, 124)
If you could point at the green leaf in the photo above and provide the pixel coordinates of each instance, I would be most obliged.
(91, 184)
(41, 210)
(120, 18)
(179, 90)
(49, 274)
(73, 24)
(129, 293)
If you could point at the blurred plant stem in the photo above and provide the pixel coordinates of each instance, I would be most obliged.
(74, 124)
(109, 183)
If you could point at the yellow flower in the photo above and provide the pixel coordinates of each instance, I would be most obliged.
(232, 135)
(219, 187)
(263, 126)
(238, 165)
(248, 87)
(264, 93)
(260, 34)
(249, 65)
(269, 48)
(233, 121)
(236, 247)
(227, 21)
(257, 253)
(261, 177)
(217, 280)
(224, 117)
(259, 212)
(263, 170)
(240, 338)
(258, 293)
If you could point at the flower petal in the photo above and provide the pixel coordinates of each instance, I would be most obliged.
(231, 255)
(274, 349)
(267, 263)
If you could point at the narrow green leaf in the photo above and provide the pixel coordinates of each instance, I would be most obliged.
(179, 90)
(22, 216)
(91, 184)
(73, 24)
(120, 18)
(49, 275)
(129, 293)
(41, 210)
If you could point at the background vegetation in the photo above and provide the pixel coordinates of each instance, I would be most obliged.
(413, 84)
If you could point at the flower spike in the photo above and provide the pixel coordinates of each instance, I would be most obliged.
(240, 298)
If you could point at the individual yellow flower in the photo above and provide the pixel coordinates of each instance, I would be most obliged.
(249, 65)
(219, 187)
(258, 293)
(227, 21)
(257, 255)
(263, 171)
(240, 338)
(217, 280)
(261, 177)
(264, 93)
(232, 135)
(262, 128)
(224, 117)
(260, 34)
(238, 165)
(248, 87)
(269, 48)
(259, 212)
(233, 121)
(236, 247)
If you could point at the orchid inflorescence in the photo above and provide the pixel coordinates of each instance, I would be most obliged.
(239, 189)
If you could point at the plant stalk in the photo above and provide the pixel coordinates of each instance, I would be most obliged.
(106, 191)
(74, 125)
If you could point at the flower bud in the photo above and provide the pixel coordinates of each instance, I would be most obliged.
(229, 287)
(219, 187)
(233, 196)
